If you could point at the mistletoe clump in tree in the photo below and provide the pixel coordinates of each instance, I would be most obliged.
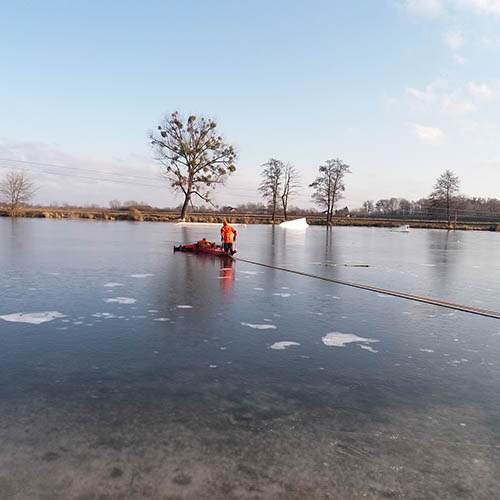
(194, 158)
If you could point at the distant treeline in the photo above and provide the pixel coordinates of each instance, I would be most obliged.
(463, 208)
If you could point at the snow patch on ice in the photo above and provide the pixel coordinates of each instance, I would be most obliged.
(121, 300)
(258, 327)
(103, 315)
(282, 294)
(112, 284)
(368, 348)
(184, 306)
(338, 339)
(280, 346)
(259, 289)
(145, 275)
(426, 350)
(161, 319)
(34, 318)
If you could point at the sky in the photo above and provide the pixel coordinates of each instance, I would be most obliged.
(400, 90)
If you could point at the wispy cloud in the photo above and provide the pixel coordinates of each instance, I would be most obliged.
(433, 136)
(453, 104)
(482, 6)
(454, 39)
(459, 59)
(426, 7)
(480, 90)
(429, 94)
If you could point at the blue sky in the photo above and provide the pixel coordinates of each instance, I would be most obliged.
(399, 89)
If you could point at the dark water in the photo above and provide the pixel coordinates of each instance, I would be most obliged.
(140, 398)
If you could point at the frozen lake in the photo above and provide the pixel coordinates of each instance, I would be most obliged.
(131, 372)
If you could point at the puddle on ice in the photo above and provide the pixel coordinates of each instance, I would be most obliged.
(33, 318)
(112, 285)
(145, 275)
(280, 346)
(121, 300)
(184, 306)
(258, 327)
(282, 294)
(338, 339)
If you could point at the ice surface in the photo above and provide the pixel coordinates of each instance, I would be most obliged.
(34, 318)
(280, 346)
(121, 300)
(258, 327)
(338, 339)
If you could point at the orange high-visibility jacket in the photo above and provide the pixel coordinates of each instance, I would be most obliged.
(227, 233)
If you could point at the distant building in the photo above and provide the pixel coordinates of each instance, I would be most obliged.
(342, 212)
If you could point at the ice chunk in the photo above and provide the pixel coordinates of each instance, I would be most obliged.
(295, 224)
(258, 327)
(280, 346)
(338, 339)
(34, 318)
(121, 300)
(367, 348)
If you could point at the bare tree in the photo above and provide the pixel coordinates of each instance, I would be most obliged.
(16, 189)
(271, 182)
(329, 185)
(368, 206)
(290, 184)
(115, 204)
(446, 187)
(194, 158)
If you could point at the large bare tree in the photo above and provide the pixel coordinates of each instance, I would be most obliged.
(445, 189)
(194, 158)
(329, 185)
(16, 189)
(289, 185)
(270, 185)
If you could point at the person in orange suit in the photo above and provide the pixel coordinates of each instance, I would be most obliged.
(228, 235)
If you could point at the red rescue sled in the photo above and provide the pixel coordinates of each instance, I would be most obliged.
(217, 250)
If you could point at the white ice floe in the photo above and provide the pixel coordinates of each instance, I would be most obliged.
(426, 350)
(33, 318)
(161, 319)
(280, 346)
(282, 294)
(258, 327)
(111, 284)
(184, 306)
(367, 348)
(121, 300)
(295, 224)
(103, 315)
(145, 275)
(337, 339)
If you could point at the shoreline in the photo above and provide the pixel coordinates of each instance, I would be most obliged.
(157, 216)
